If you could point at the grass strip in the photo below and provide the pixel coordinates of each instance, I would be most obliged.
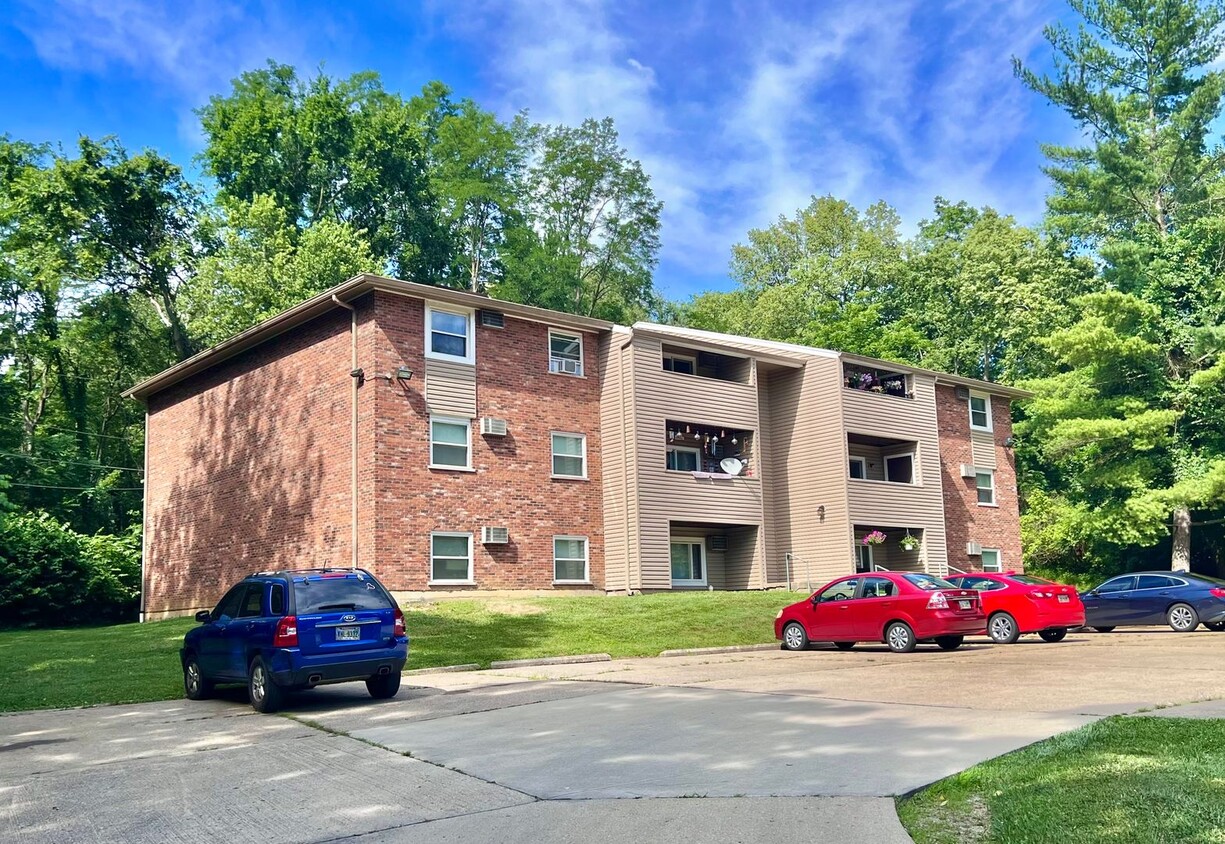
(1123, 780)
(128, 663)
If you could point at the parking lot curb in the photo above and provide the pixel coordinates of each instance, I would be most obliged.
(552, 660)
(468, 666)
(730, 649)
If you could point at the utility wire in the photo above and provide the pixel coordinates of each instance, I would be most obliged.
(70, 462)
(77, 488)
(73, 431)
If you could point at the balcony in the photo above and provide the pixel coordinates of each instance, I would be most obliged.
(708, 450)
(882, 459)
(702, 364)
(869, 379)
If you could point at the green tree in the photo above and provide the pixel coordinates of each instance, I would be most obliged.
(1144, 192)
(589, 238)
(263, 265)
(323, 149)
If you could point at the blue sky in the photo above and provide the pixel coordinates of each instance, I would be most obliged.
(740, 111)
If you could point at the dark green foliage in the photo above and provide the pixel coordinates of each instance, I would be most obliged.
(52, 575)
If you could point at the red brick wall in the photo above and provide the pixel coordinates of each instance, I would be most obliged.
(249, 468)
(511, 486)
(965, 519)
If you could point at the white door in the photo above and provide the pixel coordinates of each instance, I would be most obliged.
(688, 562)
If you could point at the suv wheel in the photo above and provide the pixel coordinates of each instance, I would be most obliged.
(195, 686)
(384, 686)
(266, 695)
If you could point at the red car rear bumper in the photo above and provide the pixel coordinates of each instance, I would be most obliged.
(948, 624)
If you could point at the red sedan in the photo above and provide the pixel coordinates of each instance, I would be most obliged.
(1021, 603)
(899, 609)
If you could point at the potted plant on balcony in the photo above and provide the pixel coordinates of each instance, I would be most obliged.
(874, 538)
(909, 543)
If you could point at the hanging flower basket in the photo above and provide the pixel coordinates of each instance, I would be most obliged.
(874, 538)
(909, 543)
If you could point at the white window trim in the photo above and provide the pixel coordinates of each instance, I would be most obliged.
(690, 540)
(914, 467)
(569, 335)
(553, 454)
(999, 560)
(860, 547)
(696, 451)
(470, 581)
(693, 360)
(994, 502)
(586, 559)
(863, 462)
(470, 345)
(451, 420)
(987, 407)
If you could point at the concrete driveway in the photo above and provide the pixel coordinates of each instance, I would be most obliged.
(776, 744)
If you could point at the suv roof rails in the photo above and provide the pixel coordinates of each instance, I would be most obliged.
(313, 569)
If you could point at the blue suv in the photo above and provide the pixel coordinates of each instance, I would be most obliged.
(278, 631)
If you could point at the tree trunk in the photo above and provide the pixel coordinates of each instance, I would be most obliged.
(1180, 558)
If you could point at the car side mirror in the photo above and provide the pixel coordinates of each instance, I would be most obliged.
(204, 616)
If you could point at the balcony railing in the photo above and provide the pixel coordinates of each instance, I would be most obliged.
(872, 380)
(691, 447)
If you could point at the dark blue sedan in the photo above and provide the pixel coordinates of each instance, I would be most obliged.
(1179, 599)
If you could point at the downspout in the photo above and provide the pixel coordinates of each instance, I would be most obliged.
(353, 443)
(144, 523)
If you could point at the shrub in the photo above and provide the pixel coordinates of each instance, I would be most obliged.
(51, 575)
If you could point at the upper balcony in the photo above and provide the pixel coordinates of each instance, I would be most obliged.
(703, 364)
(708, 450)
(882, 382)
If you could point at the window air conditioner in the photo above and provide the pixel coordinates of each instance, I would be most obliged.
(974, 549)
(569, 367)
(495, 535)
(968, 471)
(491, 427)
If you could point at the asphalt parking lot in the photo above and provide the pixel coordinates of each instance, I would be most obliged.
(729, 747)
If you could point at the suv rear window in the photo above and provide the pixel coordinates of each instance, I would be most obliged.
(347, 592)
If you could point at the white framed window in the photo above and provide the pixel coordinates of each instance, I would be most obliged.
(450, 442)
(985, 481)
(688, 561)
(992, 561)
(684, 364)
(449, 334)
(863, 557)
(980, 412)
(684, 459)
(565, 352)
(899, 468)
(858, 468)
(570, 559)
(569, 455)
(450, 557)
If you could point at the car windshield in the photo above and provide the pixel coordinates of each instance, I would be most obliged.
(345, 592)
(1030, 580)
(929, 583)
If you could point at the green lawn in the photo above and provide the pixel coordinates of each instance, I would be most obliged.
(1117, 781)
(136, 662)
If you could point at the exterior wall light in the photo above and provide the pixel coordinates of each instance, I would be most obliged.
(404, 374)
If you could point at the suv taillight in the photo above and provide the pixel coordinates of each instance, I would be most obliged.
(286, 633)
(937, 601)
(399, 630)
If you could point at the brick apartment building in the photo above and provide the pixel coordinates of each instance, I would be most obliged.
(447, 441)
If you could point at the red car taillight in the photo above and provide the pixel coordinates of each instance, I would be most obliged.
(1217, 592)
(937, 601)
(1038, 593)
(399, 630)
(286, 633)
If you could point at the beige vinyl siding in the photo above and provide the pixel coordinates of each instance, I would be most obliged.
(615, 430)
(450, 388)
(742, 568)
(879, 503)
(982, 447)
(663, 496)
(807, 468)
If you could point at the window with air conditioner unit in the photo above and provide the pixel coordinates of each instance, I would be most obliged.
(565, 352)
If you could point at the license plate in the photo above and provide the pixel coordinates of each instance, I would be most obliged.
(1063, 599)
(965, 605)
(348, 634)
